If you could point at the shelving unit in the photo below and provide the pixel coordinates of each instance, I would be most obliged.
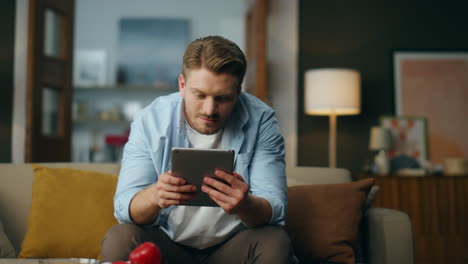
(106, 110)
(86, 124)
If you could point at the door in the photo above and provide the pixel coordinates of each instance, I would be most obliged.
(49, 80)
(256, 76)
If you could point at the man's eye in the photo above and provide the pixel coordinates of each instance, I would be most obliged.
(223, 99)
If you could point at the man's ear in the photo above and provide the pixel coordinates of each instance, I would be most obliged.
(181, 81)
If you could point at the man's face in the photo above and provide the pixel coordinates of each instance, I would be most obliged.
(208, 99)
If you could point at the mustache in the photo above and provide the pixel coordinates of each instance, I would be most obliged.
(215, 116)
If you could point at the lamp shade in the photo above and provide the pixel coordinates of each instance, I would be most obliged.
(380, 138)
(332, 91)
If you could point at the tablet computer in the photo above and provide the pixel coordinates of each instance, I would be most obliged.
(194, 164)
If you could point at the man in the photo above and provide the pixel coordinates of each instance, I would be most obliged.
(210, 112)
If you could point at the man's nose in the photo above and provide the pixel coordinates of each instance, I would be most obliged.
(209, 107)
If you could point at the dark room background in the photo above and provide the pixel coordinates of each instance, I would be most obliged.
(364, 37)
(7, 29)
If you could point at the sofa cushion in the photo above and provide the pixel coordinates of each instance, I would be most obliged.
(323, 220)
(70, 212)
(6, 249)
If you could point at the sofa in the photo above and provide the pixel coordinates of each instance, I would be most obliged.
(383, 236)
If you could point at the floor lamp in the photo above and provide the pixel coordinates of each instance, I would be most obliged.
(332, 92)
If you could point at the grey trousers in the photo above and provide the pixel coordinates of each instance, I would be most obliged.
(268, 244)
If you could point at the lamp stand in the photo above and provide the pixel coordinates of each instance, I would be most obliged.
(332, 142)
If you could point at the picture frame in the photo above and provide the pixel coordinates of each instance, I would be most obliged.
(409, 137)
(434, 85)
(150, 51)
(90, 68)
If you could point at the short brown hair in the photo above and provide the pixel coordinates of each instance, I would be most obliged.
(216, 54)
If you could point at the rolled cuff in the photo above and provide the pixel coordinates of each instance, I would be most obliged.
(278, 209)
(122, 206)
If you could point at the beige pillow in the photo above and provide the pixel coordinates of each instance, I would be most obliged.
(323, 220)
(6, 249)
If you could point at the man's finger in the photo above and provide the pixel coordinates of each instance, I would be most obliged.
(216, 194)
(167, 202)
(217, 184)
(173, 180)
(178, 196)
(229, 178)
(235, 180)
(238, 176)
(227, 207)
(176, 188)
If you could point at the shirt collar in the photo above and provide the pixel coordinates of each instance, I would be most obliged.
(181, 118)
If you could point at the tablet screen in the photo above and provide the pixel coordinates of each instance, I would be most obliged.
(195, 164)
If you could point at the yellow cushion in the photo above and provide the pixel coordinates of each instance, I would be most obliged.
(71, 210)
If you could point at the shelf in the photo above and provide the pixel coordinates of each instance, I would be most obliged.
(125, 88)
(99, 124)
(100, 111)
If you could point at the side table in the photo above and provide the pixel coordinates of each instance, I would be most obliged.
(438, 207)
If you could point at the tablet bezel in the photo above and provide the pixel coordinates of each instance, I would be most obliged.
(194, 164)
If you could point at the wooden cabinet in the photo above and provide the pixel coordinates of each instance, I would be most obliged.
(438, 207)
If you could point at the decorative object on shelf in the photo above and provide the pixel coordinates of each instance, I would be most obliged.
(380, 141)
(96, 152)
(332, 92)
(150, 51)
(130, 109)
(111, 114)
(409, 137)
(80, 110)
(455, 167)
(411, 172)
(402, 162)
(115, 145)
(432, 168)
(90, 68)
(434, 84)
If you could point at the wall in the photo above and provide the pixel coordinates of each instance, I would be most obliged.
(363, 37)
(282, 50)
(96, 22)
(7, 26)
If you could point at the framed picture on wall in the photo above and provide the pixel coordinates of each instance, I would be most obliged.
(150, 51)
(434, 85)
(409, 137)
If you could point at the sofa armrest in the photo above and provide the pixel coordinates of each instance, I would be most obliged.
(389, 236)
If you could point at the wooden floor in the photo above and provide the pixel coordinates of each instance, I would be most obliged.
(438, 207)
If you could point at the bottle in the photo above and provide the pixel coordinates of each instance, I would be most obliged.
(382, 163)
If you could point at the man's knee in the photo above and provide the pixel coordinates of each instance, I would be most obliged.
(271, 244)
(273, 238)
(120, 240)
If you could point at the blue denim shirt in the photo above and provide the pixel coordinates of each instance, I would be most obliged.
(252, 131)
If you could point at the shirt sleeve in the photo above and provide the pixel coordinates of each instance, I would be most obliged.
(267, 169)
(137, 171)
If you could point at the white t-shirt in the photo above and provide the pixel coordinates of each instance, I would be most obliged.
(202, 226)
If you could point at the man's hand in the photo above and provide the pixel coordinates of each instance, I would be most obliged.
(171, 190)
(168, 190)
(232, 196)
